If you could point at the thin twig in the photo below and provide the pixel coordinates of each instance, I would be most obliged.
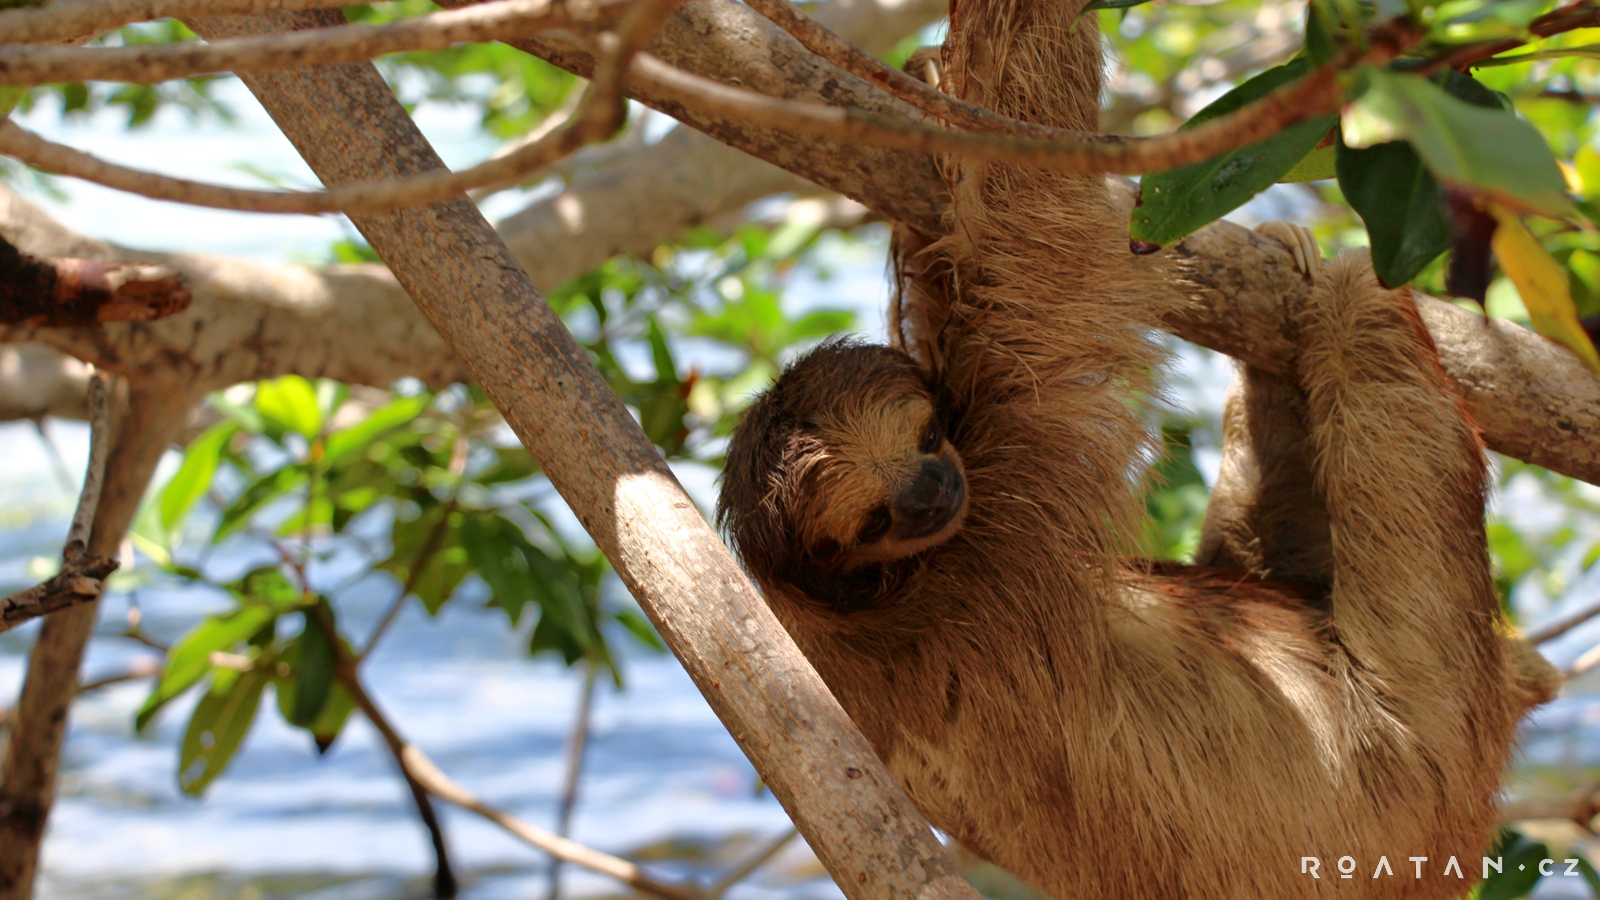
(1581, 806)
(1319, 93)
(577, 749)
(150, 63)
(419, 767)
(82, 577)
(425, 554)
(348, 674)
(603, 110)
(846, 55)
(743, 870)
(1583, 14)
(1561, 626)
(64, 22)
(142, 667)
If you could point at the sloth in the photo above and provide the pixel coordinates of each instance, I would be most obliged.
(944, 526)
(1331, 680)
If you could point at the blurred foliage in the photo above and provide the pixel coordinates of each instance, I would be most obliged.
(433, 492)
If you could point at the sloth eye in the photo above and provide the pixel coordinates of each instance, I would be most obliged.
(931, 439)
(826, 549)
(876, 526)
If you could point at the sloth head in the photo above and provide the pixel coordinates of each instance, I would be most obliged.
(842, 468)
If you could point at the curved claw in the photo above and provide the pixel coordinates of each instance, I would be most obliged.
(1299, 240)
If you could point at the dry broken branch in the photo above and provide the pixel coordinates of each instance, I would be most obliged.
(83, 292)
(82, 576)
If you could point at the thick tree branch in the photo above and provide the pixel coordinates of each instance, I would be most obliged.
(1532, 399)
(347, 124)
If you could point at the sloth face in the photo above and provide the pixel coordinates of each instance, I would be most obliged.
(843, 464)
(882, 483)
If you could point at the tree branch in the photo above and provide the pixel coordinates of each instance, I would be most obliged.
(347, 124)
(419, 767)
(82, 576)
(64, 23)
(80, 292)
(149, 63)
(156, 412)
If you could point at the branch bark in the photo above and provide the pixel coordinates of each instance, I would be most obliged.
(156, 411)
(348, 126)
(82, 576)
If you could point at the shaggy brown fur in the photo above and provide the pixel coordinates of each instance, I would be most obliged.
(1134, 730)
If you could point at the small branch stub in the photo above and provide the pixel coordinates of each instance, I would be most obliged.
(83, 292)
(82, 576)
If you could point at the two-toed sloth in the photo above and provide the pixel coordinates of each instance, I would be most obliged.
(941, 526)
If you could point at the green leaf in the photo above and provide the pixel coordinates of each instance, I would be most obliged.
(1175, 203)
(387, 417)
(431, 545)
(193, 478)
(268, 586)
(640, 628)
(220, 722)
(290, 403)
(258, 494)
(518, 572)
(336, 709)
(1470, 147)
(314, 669)
(190, 658)
(1401, 204)
(1318, 165)
(1111, 4)
(1511, 882)
(661, 354)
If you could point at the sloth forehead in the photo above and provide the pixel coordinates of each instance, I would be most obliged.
(877, 436)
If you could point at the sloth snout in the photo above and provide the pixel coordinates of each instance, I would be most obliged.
(930, 501)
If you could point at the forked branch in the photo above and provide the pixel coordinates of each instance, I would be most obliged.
(82, 576)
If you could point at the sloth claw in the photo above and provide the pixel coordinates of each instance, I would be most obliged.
(1299, 241)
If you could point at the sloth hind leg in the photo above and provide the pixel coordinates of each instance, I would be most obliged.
(1267, 514)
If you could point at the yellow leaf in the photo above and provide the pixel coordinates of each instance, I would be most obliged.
(1543, 286)
(1587, 163)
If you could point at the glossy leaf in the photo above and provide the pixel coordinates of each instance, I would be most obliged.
(1175, 203)
(385, 418)
(190, 658)
(1486, 151)
(1542, 283)
(290, 403)
(218, 727)
(314, 670)
(336, 710)
(194, 476)
(1402, 205)
(1318, 165)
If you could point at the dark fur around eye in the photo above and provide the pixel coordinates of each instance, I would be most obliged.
(876, 526)
(931, 438)
(825, 549)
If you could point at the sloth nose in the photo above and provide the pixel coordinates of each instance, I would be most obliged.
(931, 500)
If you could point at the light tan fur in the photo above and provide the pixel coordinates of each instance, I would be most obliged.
(1116, 729)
